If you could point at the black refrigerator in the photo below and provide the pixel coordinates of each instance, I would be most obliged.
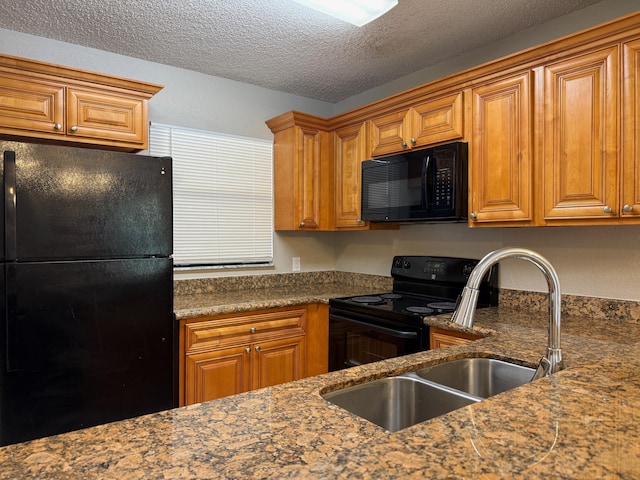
(88, 332)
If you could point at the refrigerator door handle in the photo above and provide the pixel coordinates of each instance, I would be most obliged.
(12, 353)
(10, 205)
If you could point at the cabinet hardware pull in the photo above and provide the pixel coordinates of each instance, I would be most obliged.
(607, 209)
(258, 348)
(252, 329)
(57, 126)
(473, 216)
(248, 350)
(302, 224)
(413, 141)
(627, 208)
(74, 128)
(404, 144)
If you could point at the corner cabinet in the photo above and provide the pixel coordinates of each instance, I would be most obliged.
(229, 354)
(430, 122)
(54, 103)
(501, 157)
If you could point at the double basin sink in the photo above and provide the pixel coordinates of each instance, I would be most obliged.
(398, 402)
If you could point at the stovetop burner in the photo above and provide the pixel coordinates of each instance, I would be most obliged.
(420, 310)
(369, 299)
(442, 305)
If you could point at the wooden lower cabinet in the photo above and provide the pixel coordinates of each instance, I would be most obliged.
(230, 354)
(441, 338)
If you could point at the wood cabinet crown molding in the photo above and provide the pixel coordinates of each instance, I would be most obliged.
(74, 75)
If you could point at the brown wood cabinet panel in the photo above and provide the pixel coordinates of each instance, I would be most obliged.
(278, 361)
(350, 151)
(97, 114)
(303, 179)
(438, 120)
(215, 374)
(28, 106)
(441, 338)
(501, 161)
(580, 136)
(630, 196)
(389, 133)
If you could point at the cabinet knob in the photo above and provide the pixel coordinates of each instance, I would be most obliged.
(473, 216)
(627, 208)
(359, 221)
(248, 350)
(413, 141)
(74, 128)
(258, 348)
(252, 329)
(57, 126)
(302, 224)
(607, 209)
(404, 144)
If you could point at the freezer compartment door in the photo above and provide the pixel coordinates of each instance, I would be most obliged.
(74, 203)
(87, 343)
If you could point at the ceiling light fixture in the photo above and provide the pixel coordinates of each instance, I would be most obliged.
(356, 12)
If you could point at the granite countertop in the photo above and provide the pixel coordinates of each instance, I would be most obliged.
(582, 422)
(206, 303)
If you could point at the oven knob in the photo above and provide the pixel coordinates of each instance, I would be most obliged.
(398, 263)
(467, 269)
(406, 265)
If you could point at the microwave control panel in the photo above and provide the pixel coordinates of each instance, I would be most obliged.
(444, 185)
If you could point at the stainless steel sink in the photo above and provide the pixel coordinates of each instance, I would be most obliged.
(482, 377)
(398, 402)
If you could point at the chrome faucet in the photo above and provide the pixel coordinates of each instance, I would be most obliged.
(552, 362)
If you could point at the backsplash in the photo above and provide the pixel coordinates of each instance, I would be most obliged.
(254, 282)
(573, 305)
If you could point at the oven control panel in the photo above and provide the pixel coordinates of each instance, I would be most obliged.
(447, 269)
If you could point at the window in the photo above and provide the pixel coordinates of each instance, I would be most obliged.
(222, 196)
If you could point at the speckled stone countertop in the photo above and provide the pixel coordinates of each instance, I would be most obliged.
(583, 422)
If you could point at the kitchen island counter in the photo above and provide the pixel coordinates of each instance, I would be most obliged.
(579, 423)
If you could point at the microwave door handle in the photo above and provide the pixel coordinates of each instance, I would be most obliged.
(425, 183)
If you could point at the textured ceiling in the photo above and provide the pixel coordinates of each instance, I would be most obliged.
(279, 44)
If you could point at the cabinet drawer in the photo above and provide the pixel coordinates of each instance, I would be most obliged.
(220, 331)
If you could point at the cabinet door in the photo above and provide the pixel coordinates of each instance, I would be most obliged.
(31, 106)
(580, 136)
(350, 152)
(501, 158)
(309, 165)
(389, 133)
(630, 123)
(437, 120)
(278, 361)
(217, 373)
(440, 338)
(100, 115)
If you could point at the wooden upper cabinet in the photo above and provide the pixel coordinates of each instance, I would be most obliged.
(98, 115)
(302, 179)
(630, 196)
(434, 121)
(350, 151)
(31, 106)
(41, 101)
(501, 162)
(580, 156)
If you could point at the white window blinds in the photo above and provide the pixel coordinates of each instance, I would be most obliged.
(222, 196)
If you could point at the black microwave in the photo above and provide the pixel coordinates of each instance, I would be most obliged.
(426, 185)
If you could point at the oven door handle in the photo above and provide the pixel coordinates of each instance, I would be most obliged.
(377, 328)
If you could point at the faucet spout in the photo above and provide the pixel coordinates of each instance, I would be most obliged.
(464, 315)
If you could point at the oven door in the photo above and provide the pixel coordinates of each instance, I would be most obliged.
(356, 339)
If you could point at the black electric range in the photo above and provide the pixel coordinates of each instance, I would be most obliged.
(368, 328)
